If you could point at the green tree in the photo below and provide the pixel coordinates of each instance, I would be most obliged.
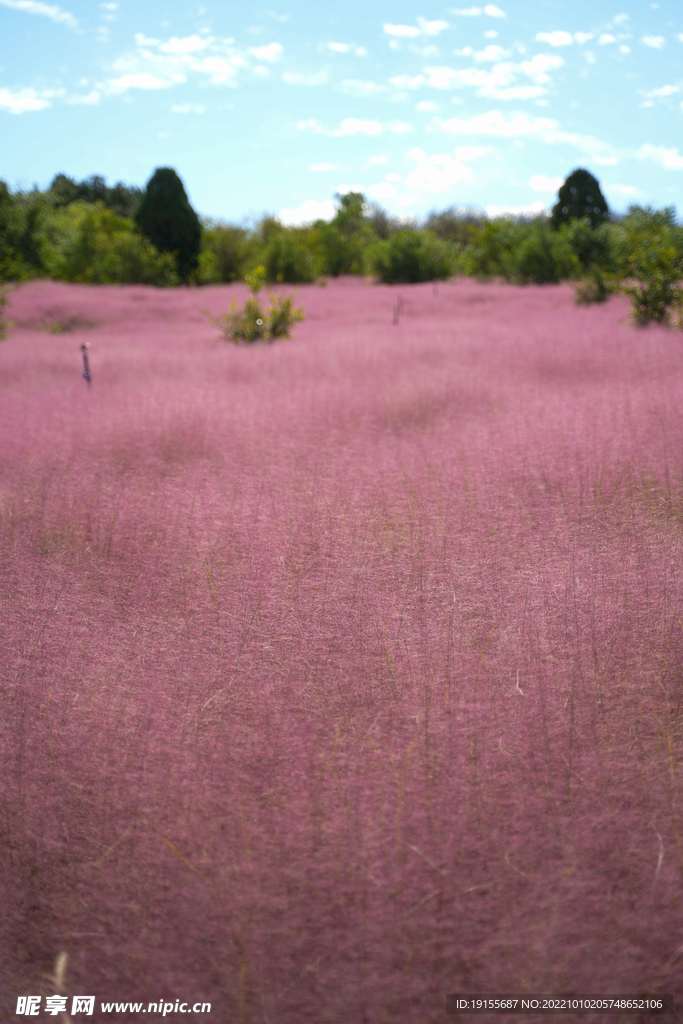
(167, 220)
(580, 196)
(345, 240)
(411, 256)
(88, 243)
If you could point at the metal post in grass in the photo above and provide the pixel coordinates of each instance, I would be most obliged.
(86, 368)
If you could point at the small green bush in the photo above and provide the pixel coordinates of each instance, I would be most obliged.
(4, 302)
(252, 323)
(657, 271)
(595, 287)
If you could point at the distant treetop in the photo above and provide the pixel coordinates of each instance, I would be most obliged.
(579, 197)
(122, 199)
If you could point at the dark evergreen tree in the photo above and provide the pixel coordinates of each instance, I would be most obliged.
(580, 196)
(166, 218)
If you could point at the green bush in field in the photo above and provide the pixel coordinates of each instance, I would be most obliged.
(289, 259)
(4, 302)
(657, 271)
(524, 252)
(167, 220)
(91, 244)
(225, 251)
(410, 256)
(594, 287)
(543, 257)
(252, 323)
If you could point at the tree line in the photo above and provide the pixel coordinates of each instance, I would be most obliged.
(90, 232)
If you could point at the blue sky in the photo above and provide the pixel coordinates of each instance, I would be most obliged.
(419, 105)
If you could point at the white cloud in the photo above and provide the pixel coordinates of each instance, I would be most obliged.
(624, 190)
(393, 177)
(157, 64)
(408, 81)
(438, 173)
(497, 83)
(556, 38)
(656, 42)
(188, 108)
(680, 37)
(491, 34)
(526, 210)
(606, 38)
(426, 106)
(539, 65)
(378, 159)
(321, 168)
(383, 190)
(670, 159)
(109, 7)
(141, 80)
(406, 31)
(624, 49)
(620, 19)
(606, 161)
(189, 44)
(355, 87)
(491, 54)
(467, 12)
(307, 212)
(311, 125)
(90, 99)
(541, 183)
(494, 123)
(432, 28)
(494, 12)
(270, 53)
(21, 101)
(314, 78)
(339, 47)
(583, 37)
(51, 11)
(664, 90)
(354, 126)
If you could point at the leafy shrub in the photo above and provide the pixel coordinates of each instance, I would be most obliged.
(288, 259)
(252, 323)
(224, 253)
(166, 218)
(593, 288)
(411, 256)
(4, 302)
(657, 271)
(524, 252)
(90, 244)
(543, 257)
(592, 246)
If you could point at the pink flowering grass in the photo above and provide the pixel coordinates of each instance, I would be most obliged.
(346, 672)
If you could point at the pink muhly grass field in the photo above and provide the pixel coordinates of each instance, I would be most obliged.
(345, 672)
